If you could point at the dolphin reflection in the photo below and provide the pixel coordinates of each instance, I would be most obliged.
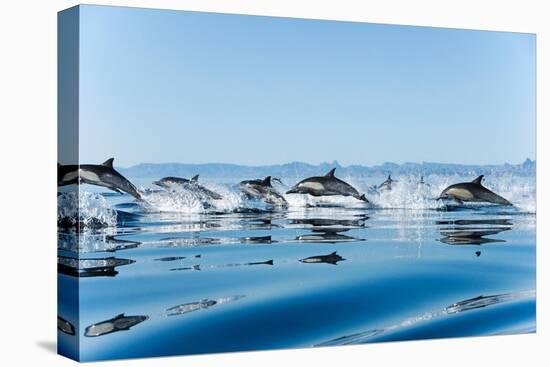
(429, 316)
(65, 326)
(332, 258)
(117, 323)
(327, 237)
(330, 224)
(472, 231)
(90, 267)
(200, 305)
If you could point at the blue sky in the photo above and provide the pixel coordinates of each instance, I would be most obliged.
(170, 86)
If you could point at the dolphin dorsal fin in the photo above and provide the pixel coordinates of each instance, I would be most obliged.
(333, 253)
(267, 181)
(478, 180)
(108, 163)
(330, 173)
(195, 178)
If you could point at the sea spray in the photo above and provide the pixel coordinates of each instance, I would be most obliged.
(84, 210)
(185, 201)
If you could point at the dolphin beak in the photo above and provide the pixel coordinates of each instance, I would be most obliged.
(293, 190)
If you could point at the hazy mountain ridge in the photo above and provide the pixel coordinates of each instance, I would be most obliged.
(300, 169)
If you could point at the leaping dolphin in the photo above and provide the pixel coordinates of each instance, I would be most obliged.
(96, 174)
(263, 190)
(386, 185)
(327, 185)
(193, 183)
(472, 191)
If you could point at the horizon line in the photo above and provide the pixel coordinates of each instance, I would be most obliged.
(335, 163)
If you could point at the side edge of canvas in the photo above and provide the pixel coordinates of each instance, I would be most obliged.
(67, 154)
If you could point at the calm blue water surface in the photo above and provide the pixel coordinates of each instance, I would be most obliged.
(321, 276)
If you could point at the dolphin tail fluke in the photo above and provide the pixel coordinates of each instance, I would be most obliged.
(195, 178)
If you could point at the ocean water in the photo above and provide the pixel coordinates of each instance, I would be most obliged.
(177, 275)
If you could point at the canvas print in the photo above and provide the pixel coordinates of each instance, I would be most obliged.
(236, 183)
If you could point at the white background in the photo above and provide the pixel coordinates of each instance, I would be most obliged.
(28, 169)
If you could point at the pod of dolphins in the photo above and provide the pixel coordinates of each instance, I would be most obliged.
(262, 189)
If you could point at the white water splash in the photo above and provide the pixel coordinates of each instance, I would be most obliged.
(182, 200)
(231, 199)
(85, 209)
(408, 193)
(302, 201)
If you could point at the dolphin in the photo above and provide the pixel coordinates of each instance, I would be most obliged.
(331, 258)
(96, 174)
(472, 191)
(117, 323)
(386, 185)
(263, 190)
(168, 182)
(326, 185)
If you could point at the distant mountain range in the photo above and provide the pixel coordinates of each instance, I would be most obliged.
(300, 169)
